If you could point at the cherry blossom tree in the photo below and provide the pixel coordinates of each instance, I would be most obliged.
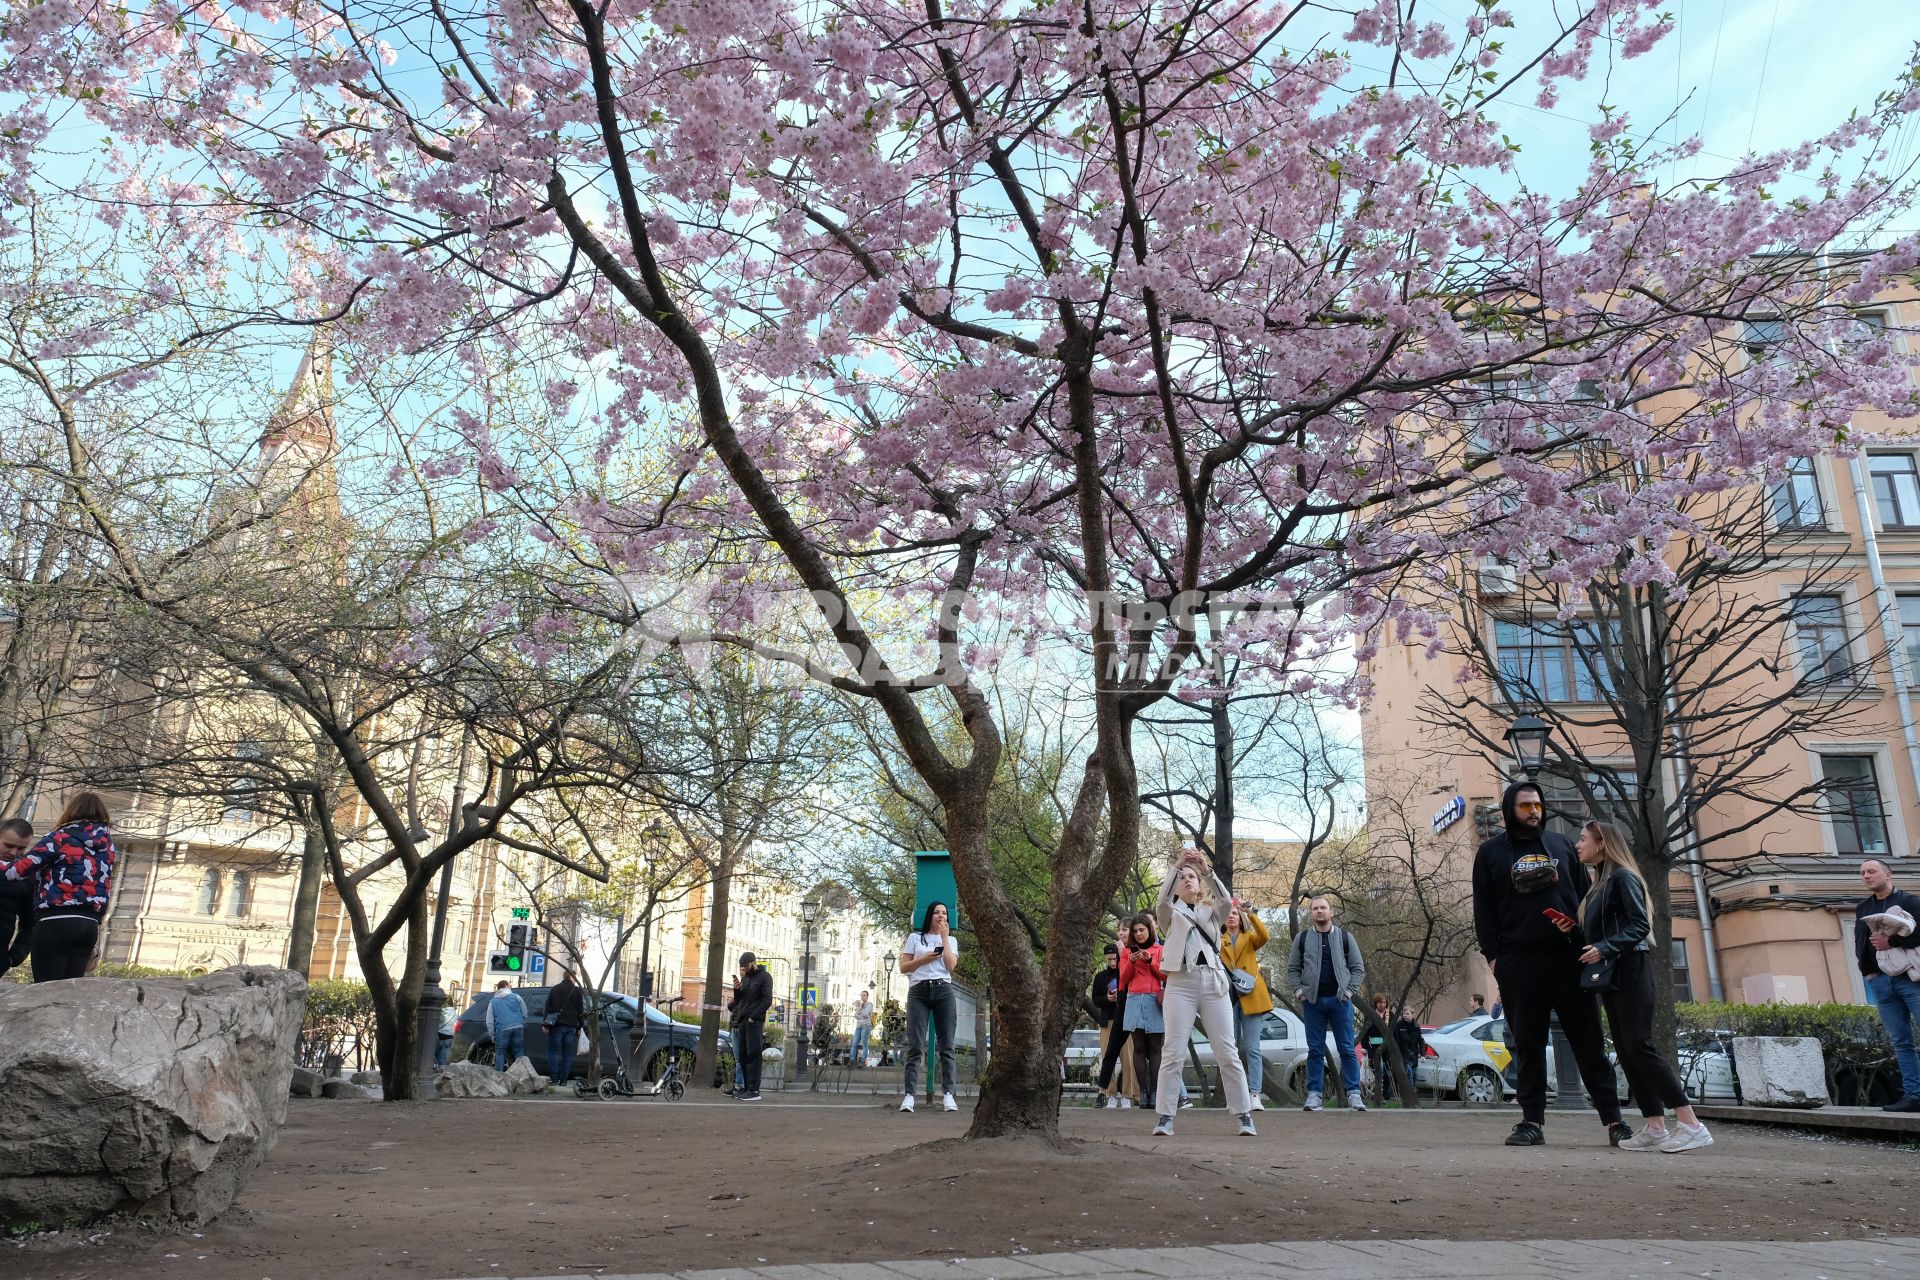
(1084, 327)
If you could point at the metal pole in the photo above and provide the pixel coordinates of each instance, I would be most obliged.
(800, 1018)
(433, 998)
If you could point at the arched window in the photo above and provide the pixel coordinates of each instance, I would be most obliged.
(239, 893)
(209, 892)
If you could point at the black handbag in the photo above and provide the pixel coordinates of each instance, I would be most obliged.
(1601, 975)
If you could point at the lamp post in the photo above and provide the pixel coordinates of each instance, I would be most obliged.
(1527, 737)
(433, 998)
(653, 837)
(809, 913)
(886, 971)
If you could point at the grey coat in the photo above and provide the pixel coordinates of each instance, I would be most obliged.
(1303, 963)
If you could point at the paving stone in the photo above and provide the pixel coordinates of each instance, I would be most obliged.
(1002, 1268)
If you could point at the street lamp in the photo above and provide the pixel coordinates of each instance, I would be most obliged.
(655, 836)
(809, 914)
(1527, 736)
(433, 999)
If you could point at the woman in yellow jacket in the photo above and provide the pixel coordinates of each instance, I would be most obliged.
(1240, 949)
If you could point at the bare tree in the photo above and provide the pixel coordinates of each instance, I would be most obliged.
(1714, 671)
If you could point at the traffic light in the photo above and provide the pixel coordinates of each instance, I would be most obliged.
(502, 963)
(519, 938)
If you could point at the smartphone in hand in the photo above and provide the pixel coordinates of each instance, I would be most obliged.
(1560, 918)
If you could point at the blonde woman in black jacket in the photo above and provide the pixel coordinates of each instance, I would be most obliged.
(1615, 917)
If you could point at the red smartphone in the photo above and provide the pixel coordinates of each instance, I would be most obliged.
(1557, 916)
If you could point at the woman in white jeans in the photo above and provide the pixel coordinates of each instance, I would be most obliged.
(1192, 909)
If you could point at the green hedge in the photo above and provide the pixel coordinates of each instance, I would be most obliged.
(1857, 1052)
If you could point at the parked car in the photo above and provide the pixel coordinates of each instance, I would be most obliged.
(1283, 1044)
(1703, 1064)
(664, 1038)
(1471, 1059)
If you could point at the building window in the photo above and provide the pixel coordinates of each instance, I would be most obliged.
(243, 788)
(1682, 976)
(1796, 498)
(239, 893)
(1910, 627)
(1820, 628)
(1557, 661)
(209, 892)
(1868, 326)
(1568, 808)
(1853, 805)
(1762, 338)
(1896, 489)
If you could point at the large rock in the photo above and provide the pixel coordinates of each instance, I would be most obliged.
(521, 1078)
(367, 1079)
(155, 1096)
(305, 1083)
(470, 1080)
(341, 1087)
(1780, 1071)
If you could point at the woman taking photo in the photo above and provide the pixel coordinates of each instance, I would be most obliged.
(1240, 949)
(928, 959)
(73, 867)
(1191, 913)
(1615, 917)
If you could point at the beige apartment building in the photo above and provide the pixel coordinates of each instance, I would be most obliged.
(1777, 889)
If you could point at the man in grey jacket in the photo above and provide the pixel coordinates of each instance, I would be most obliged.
(507, 1024)
(1324, 968)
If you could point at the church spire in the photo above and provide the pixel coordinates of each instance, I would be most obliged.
(305, 416)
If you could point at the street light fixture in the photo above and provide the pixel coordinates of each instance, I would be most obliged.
(809, 915)
(1527, 736)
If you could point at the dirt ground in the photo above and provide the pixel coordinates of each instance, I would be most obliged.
(542, 1188)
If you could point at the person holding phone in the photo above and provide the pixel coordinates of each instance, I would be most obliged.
(928, 958)
(1192, 909)
(1524, 881)
(1142, 985)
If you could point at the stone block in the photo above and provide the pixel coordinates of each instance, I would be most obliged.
(341, 1087)
(1780, 1071)
(522, 1079)
(366, 1079)
(470, 1080)
(155, 1096)
(305, 1083)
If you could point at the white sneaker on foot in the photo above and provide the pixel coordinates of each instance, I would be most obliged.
(1165, 1128)
(1186, 1103)
(906, 1104)
(1126, 1104)
(1258, 1105)
(947, 1103)
(1246, 1127)
(1686, 1137)
(1354, 1101)
(1312, 1103)
(1646, 1140)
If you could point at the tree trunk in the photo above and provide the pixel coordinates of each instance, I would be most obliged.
(707, 1056)
(306, 900)
(1221, 715)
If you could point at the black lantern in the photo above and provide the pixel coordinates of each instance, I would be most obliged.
(1527, 736)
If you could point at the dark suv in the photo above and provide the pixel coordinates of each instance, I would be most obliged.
(664, 1037)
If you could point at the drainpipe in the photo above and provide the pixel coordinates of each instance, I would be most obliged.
(1696, 866)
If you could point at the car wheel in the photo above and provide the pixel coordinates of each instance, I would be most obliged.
(1480, 1085)
(480, 1053)
(1297, 1082)
(609, 1090)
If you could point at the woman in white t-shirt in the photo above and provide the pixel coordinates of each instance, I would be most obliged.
(928, 958)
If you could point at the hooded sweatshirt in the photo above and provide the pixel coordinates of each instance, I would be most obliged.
(1507, 920)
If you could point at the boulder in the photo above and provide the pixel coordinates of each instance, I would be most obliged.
(521, 1078)
(341, 1087)
(369, 1079)
(1780, 1071)
(305, 1083)
(155, 1096)
(470, 1080)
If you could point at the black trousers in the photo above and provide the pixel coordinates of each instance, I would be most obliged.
(1116, 1041)
(749, 1040)
(1651, 1079)
(1534, 986)
(62, 945)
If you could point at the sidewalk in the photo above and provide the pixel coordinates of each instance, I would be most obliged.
(1878, 1259)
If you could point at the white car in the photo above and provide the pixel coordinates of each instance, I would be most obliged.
(1470, 1059)
(1283, 1045)
(1703, 1064)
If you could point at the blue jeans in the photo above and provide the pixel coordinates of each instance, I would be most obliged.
(1246, 1027)
(1899, 1001)
(562, 1044)
(442, 1050)
(860, 1034)
(1335, 1014)
(507, 1046)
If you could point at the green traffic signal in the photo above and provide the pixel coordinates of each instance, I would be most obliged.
(513, 964)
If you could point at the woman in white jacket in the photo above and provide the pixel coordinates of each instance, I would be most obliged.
(1193, 908)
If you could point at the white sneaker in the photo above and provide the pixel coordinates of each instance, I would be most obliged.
(1312, 1103)
(1246, 1126)
(906, 1104)
(1354, 1101)
(1646, 1140)
(1686, 1137)
(1258, 1105)
(1126, 1104)
(1165, 1128)
(1186, 1103)
(947, 1103)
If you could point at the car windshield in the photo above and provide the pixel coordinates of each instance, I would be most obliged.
(1461, 1025)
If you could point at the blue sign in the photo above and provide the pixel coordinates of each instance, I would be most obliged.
(807, 995)
(1451, 812)
(536, 963)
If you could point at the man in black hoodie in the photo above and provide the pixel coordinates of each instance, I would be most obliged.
(1518, 877)
(752, 997)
